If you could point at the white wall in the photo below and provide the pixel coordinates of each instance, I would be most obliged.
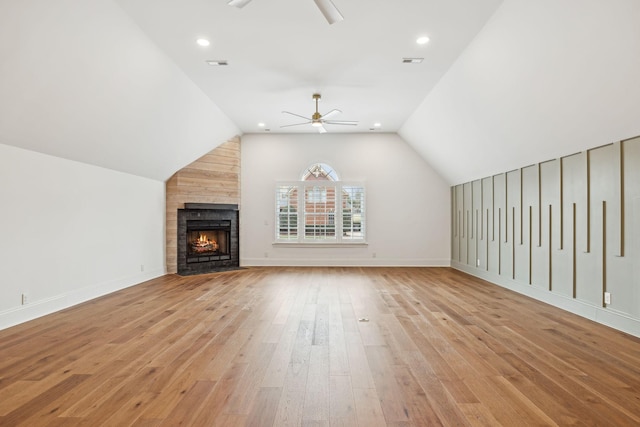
(543, 79)
(408, 204)
(70, 232)
(80, 80)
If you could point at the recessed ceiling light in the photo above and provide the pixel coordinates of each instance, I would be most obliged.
(261, 124)
(215, 62)
(203, 42)
(422, 40)
(377, 125)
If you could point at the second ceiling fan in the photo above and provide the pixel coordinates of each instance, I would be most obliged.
(328, 9)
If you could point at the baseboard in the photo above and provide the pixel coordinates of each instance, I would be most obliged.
(39, 308)
(600, 315)
(343, 262)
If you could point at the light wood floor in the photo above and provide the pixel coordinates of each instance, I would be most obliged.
(284, 346)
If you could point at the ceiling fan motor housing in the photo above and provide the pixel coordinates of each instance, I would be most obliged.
(315, 118)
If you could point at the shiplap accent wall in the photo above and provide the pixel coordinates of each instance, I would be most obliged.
(213, 178)
(564, 231)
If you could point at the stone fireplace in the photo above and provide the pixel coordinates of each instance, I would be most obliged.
(208, 238)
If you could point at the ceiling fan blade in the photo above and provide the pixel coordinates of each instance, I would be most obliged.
(297, 115)
(295, 124)
(338, 122)
(331, 113)
(238, 3)
(329, 10)
(321, 129)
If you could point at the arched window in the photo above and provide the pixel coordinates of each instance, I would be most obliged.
(320, 208)
(319, 172)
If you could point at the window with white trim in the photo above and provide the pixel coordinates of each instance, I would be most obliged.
(320, 209)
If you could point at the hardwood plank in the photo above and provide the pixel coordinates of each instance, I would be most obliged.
(146, 422)
(342, 409)
(291, 406)
(283, 346)
(265, 407)
(388, 389)
(231, 420)
(358, 364)
(119, 396)
(338, 357)
(213, 404)
(16, 394)
(277, 370)
(368, 409)
(441, 402)
(316, 397)
(129, 411)
(26, 411)
(185, 412)
(478, 415)
(226, 355)
(240, 401)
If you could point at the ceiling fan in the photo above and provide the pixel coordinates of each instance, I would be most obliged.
(328, 9)
(318, 120)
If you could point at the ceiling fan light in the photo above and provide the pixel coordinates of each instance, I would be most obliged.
(316, 123)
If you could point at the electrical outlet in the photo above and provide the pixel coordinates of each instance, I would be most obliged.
(25, 299)
(374, 255)
(266, 254)
(607, 297)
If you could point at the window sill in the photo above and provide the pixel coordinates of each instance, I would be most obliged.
(319, 244)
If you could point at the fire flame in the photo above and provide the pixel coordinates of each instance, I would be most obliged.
(204, 244)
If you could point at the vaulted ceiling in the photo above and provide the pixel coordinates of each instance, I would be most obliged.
(280, 52)
(122, 84)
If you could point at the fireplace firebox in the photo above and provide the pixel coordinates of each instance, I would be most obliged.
(207, 238)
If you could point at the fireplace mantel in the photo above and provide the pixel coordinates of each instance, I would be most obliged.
(211, 206)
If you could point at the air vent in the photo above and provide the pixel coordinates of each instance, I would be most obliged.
(412, 60)
(217, 62)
